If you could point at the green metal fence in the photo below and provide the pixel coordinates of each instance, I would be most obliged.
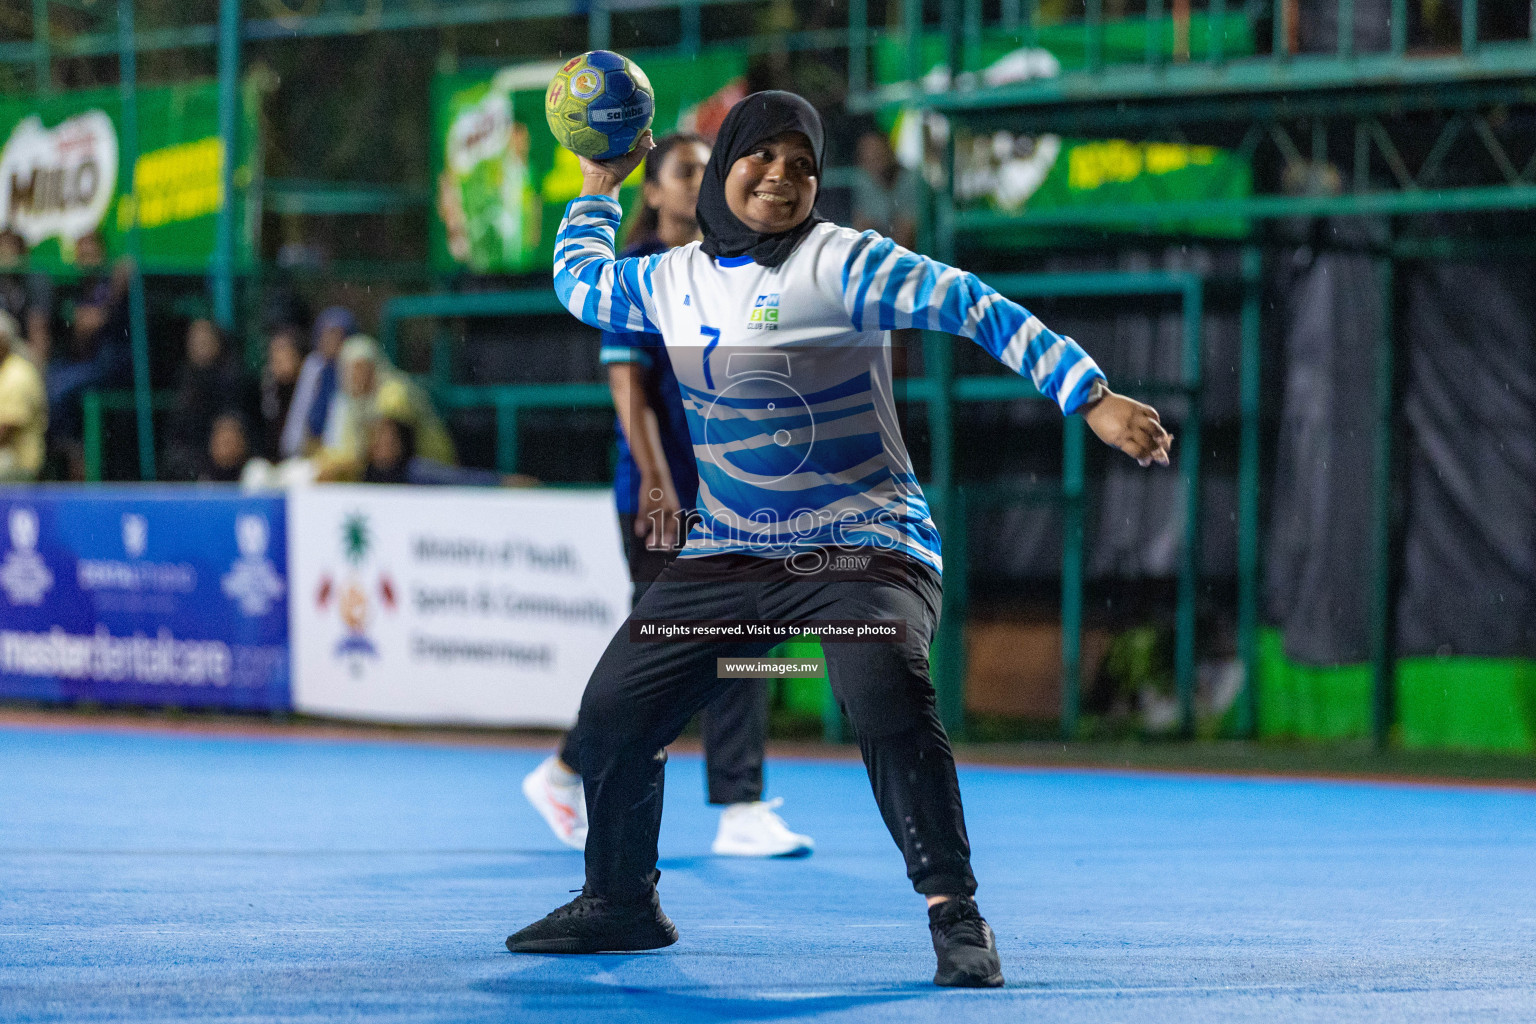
(93, 405)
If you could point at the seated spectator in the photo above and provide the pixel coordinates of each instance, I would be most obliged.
(228, 449)
(372, 388)
(27, 297)
(93, 349)
(212, 382)
(316, 390)
(23, 407)
(392, 459)
(279, 380)
(884, 192)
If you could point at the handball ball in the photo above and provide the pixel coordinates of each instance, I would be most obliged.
(598, 104)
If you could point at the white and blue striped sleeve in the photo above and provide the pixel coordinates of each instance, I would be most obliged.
(599, 290)
(886, 286)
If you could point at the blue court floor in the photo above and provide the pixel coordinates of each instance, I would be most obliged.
(148, 877)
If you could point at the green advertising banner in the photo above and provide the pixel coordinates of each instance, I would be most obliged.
(61, 179)
(502, 182)
(1020, 172)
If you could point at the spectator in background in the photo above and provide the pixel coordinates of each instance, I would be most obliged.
(279, 380)
(27, 297)
(228, 449)
(23, 407)
(373, 389)
(392, 459)
(884, 192)
(316, 390)
(92, 351)
(212, 383)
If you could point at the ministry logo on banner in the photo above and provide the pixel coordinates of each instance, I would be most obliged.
(352, 597)
(253, 581)
(24, 576)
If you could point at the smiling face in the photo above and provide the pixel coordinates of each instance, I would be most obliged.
(773, 188)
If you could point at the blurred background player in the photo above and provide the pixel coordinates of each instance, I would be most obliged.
(655, 481)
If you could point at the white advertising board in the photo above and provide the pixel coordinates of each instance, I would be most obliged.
(446, 605)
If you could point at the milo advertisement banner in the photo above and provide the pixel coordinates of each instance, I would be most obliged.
(503, 182)
(62, 175)
(1022, 172)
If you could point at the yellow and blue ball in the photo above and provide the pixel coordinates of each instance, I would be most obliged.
(598, 104)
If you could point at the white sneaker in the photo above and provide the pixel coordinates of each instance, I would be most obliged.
(753, 830)
(557, 795)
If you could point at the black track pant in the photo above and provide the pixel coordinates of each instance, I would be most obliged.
(642, 694)
(734, 724)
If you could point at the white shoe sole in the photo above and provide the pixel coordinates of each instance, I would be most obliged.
(533, 785)
(720, 849)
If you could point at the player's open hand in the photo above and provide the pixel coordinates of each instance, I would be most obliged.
(1130, 426)
(603, 177)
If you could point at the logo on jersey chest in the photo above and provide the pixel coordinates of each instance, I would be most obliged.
(765, 313)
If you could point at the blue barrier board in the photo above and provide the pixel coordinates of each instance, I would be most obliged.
(144, 595)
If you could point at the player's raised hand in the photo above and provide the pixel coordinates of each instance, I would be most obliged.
(603, 177)
(1130, 426)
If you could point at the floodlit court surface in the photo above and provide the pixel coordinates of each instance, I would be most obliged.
(154, 877)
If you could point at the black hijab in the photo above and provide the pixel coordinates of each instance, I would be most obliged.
(758, 117)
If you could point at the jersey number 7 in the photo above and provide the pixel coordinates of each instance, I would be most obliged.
(713, 334)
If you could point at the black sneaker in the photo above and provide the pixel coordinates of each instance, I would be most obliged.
(964, 942)
(591, 924)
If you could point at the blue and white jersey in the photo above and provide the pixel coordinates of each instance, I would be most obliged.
(785, 374)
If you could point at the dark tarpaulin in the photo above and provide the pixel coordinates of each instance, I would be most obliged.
(1319, 552)
(1469, 579)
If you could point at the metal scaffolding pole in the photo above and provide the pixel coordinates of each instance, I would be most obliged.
(1188, 454)
(1074, 434)
(229, 143)
(1250, 383)
(138, 325)
(1383, 579)
(948, 652)
(42, 57)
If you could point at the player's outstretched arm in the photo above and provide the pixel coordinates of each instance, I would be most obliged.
(599, 290)
(886, 285)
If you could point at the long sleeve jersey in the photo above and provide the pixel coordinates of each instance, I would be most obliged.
(785, 375)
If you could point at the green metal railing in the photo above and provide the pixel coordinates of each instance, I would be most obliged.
(93, 404)
(1181, 57)
(951, 500)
